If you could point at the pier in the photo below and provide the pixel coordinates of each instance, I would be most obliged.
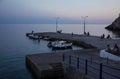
(85, 41)
(74, 64)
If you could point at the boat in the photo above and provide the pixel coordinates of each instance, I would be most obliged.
(46, 38)
(35, 37)
(60, 45)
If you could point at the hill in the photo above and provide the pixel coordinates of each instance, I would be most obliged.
(115, 26)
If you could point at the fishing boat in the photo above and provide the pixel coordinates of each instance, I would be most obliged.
(60, 44)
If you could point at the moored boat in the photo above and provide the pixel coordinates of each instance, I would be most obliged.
(60, 45)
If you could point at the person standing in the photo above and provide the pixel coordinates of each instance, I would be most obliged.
(116, 48)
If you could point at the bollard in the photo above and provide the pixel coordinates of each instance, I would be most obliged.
(100, 76)
(86, 63)
(69, 59)
(78, 62)
(107, 60)
(91, 59)
(63, 57)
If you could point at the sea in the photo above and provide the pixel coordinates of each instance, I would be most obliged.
(14, 45)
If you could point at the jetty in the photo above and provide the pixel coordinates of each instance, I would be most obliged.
(74, 64)
(84, 41)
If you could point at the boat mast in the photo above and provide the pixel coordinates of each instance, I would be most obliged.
(57, 23)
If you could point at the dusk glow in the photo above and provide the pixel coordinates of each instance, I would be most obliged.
(69, 11)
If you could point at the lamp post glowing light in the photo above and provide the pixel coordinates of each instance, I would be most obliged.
(84, 18)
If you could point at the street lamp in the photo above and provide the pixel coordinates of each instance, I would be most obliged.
(57, 23)
(84, 18)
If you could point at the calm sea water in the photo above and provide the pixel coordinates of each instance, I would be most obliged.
(14, 45)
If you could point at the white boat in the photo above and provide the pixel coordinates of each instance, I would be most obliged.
(60, 44)
(46, 38)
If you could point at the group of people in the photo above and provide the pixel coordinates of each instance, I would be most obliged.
(103, 36)
(115, 48)
(88, 34)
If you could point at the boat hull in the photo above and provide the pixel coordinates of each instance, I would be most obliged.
(59, 48)
(60, 45)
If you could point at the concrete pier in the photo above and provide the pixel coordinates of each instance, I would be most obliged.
(82, 40)
(41, 66)
(44, 65)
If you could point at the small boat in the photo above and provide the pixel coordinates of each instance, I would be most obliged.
(60, 44)
(46, 38)
(34, 37)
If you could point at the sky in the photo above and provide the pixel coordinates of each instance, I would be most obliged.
(68, 11)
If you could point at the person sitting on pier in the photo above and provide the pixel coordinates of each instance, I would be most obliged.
(85, 33)
(108, 36)
(108, 49)
(32, 31)
(102, 36)
(72, 34)
(88, 33)
(116, 48)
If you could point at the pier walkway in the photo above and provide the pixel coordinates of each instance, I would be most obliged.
(83, 40)
(39, 64)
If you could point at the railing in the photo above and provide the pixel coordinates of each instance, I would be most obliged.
(92, 68)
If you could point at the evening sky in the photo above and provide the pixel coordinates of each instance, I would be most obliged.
(68, 11)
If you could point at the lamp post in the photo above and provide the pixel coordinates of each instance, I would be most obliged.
(84, 18)
(57, 23)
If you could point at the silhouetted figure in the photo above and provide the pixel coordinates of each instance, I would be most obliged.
(85, 33)
(32, 31)
(88, 33)
(108, 48)
(72, 34)
(116, 48)
(108, 36)
(102, 36)
(59, 31)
